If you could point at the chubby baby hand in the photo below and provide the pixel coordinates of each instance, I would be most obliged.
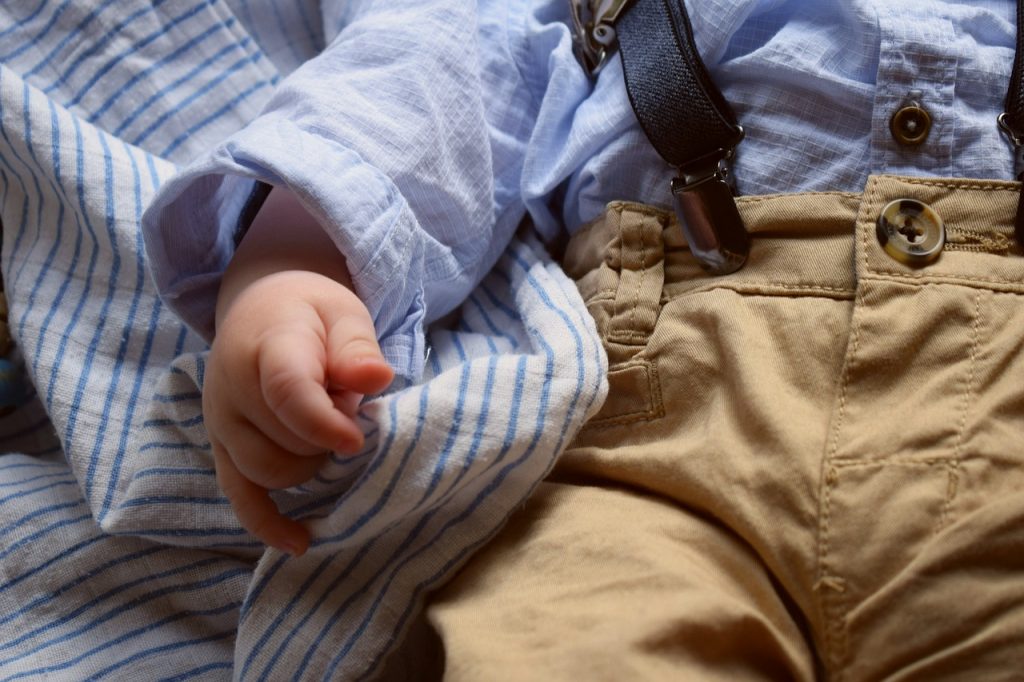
(293, 355)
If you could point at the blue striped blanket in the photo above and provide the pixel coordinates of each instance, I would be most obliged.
(119, 557)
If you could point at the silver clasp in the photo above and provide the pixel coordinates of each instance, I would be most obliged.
(594, 30)
(1018, 147)
(706, 208)
(1004, 124)
(1017, 140)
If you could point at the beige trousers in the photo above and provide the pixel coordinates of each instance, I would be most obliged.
(811, 468)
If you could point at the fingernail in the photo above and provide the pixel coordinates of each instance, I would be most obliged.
(350, 445)
(291, 548)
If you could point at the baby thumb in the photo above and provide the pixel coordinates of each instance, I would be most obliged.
(354, 360)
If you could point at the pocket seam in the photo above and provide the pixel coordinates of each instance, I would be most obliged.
(657, 408)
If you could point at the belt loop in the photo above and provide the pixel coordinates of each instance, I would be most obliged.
(641, 277)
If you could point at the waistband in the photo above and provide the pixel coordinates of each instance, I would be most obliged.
(819, 243)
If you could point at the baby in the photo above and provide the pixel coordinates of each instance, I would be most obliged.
(710, 520)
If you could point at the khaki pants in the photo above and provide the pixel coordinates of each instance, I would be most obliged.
(812, 468)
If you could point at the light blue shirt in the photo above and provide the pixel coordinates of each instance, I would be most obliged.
(425, 131)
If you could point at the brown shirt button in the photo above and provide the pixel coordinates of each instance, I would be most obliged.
(910, 125)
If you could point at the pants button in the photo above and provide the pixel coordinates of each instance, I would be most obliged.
(911, 232)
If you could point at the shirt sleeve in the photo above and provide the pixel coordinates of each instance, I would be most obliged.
(404, 138)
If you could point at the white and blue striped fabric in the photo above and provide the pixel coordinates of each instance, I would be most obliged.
(119, 557)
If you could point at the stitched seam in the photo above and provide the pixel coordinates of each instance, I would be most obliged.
(972, 248)
(892, 462)
(814, 287)
(965, 408)
(992, 239)
(648, 210)
(830, 587)
(763, 289)
(642, 209)
(845, 292)
(639, 283)
(779, 285)
(618, 421)
(971, 232)
(774, 197)
(939, 279)
(654, 390)
(622, 337)
(869, 201)
(613, 320)
(952, 484)
(989, 187)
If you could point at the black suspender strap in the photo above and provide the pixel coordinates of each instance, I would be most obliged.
(683, 113)
(690, 124)
(1012, 119)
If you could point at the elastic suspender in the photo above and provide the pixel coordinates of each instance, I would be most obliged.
(692, 126)
(1012, 120)
(689, 122)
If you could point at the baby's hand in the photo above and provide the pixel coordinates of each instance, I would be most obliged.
(293, 355)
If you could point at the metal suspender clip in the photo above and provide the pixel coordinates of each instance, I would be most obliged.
(594, 30)
(705, 205)
(1017, 139)
(1004, 125)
